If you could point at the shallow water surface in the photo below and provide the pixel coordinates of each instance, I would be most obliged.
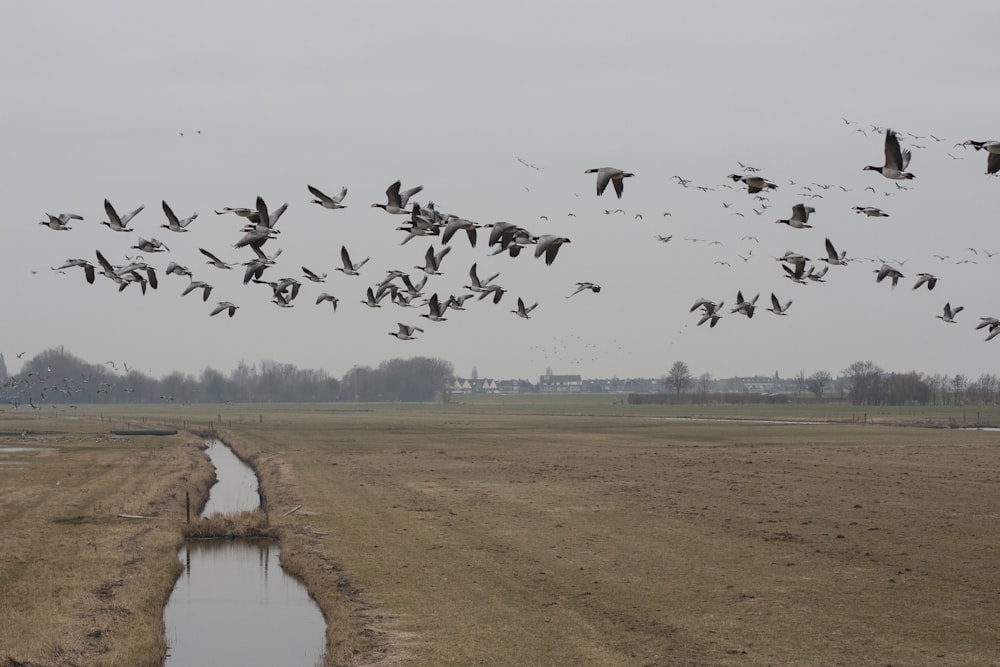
(234, 605)
(236, 487)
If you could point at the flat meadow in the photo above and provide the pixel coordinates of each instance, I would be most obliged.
(531, 530)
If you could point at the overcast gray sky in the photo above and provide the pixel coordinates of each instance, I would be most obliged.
(445, 95)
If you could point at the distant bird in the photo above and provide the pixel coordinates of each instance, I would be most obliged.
(224, 306)
(89, 269)
(754, 184)
(871, 211)
(800, 216)
(349, 268)
(454, 224)
(406, 332)
(949, 313)
(522, 310)
(215, 261)
(199, 284)
(832, 257)
(313, 276)
(116, 222)
(396, 201)
(327, 297)
(664, 239)
(992, 149)
(325, 200)
(436, 309)
(373, 301)
(176, 269)
(796, 274)
(60, 223)
(925, 279)
(887, 271)
(432, 260)
(549, 244)
(816, 276)
(776, 306)
(477, 285)
(611, 175)
(152, 245)
(745, 307)
(580, 287)
(173, 223)
(896, 160)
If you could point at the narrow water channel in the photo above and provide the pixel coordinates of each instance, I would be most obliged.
(233, 604)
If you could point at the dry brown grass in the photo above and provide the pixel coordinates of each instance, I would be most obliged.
(512, 539)
(496, 535)
(80, 586)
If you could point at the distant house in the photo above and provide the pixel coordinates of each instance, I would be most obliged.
(514, 387)
(461, 386)
(560, 384)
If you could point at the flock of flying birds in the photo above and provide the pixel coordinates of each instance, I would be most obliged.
(399, 286)
(260, 228)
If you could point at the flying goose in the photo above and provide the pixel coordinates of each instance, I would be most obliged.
(607, 175)
(477, 285)
(745, 307)
(396, 201)
(896, 160)
(992, 149)
(152, 245)
(372, 301)
(754, 184)
(522, 310)
(871, 211)
(89, 269)
(215, 261)
(776, 306)
(949, 313)
(173, 223)
(432, 260)
(797, 274)
(327, 297)
(831, 255)
(325, 200)
(816, 276)
(454, 224)
(887, 271)
(314, 277)
(198, 284)
(800, 216)
(116, 222)
(436, 309)
(405, 332)
(549, 244)
(349, 267)
(925, 279)
(60, 223)
(177, 269)
(580, 287)
(224, 305)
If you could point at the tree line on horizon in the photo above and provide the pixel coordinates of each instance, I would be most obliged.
(55, 376)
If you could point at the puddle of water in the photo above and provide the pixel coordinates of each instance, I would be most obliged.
(742, 421)
(234, 605)
(236, 489)
(16, 450)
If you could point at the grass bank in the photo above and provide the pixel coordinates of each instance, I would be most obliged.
(80, 585)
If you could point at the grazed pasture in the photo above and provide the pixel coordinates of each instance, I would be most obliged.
(571, 533)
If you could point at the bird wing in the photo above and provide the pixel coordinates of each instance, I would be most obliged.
(619, 184)
(318, 194)
(392, 194)
(603, 177)
(893, 154)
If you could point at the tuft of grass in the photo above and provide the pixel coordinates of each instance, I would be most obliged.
(252, 524)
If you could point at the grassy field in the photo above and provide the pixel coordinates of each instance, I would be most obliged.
(568, 531)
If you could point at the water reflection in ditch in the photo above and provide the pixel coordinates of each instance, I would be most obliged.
(233, 604)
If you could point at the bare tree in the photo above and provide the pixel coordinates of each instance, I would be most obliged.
(818, 382)
(679, 377)
(801, 382)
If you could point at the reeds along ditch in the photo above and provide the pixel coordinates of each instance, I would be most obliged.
(253, 524)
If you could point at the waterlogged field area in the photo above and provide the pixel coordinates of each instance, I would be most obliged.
(567, 531)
